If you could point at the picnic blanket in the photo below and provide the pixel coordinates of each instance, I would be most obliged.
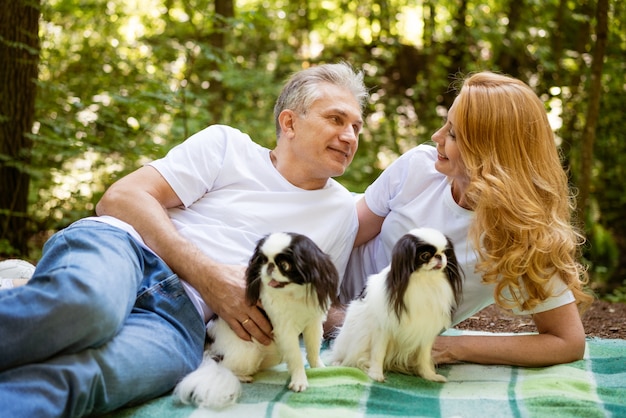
(592, 387)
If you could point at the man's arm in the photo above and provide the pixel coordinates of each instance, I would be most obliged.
(141, 199)
(561, 339)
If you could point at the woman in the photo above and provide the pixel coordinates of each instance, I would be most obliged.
(494, 184)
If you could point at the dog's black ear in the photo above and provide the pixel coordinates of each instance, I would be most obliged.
(454, 272)
(403, 263)
(253, 274)
(317, 268)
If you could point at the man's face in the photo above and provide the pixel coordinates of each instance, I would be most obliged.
(326, 138)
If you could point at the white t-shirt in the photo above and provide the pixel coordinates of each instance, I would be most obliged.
(411, 193)
(233, 195)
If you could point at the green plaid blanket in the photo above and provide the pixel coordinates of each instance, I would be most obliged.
(593, 387)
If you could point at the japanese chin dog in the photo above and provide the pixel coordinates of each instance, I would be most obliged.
(296, 283)
(393, 324)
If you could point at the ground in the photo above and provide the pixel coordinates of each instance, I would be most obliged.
(603, 320)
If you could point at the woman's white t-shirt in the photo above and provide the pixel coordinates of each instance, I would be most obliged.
(409, 194)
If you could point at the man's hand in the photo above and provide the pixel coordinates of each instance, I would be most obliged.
(228, 300)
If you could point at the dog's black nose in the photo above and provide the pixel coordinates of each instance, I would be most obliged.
(270, 268)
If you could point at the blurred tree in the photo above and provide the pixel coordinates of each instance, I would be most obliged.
(122, 81)
(593, 106)
(19, 57)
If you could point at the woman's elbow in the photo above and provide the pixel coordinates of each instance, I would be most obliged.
(578, 347)
(573, 349)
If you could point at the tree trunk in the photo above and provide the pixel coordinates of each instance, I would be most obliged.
(557, 41)
(593, 109)
(511, 54)
(458, 48)
(224, 9)
(19, 59)
(572, 103)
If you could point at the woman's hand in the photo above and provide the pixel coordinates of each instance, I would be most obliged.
(442, 350)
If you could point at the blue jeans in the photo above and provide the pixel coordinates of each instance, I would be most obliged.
(103, 323)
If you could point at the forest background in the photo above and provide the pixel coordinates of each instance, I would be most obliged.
(92, 89)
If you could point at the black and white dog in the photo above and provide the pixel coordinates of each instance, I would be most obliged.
(393, 325)
(296, 283)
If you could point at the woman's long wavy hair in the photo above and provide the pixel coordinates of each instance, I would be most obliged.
(518, 190)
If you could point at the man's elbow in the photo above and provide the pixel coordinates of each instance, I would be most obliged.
(106, 201)
(101, 207)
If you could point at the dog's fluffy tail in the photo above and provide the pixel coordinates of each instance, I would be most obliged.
(209, 386)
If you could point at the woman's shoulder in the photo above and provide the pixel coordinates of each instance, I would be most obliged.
(408, 176)
(558, 295)
(422, 151)
(418, 162)
(421, 158)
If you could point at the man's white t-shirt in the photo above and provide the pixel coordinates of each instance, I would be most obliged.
(233, 196)
(411, 193)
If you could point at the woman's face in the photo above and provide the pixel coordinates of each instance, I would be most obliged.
(449, 161)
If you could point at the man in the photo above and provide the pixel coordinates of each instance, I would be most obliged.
(116, 310)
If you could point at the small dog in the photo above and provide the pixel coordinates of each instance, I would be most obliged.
(394, 323)
(296, 283)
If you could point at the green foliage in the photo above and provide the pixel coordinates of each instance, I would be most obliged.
(603, 253)
(7, 248)
(121, 82)
(617, 295)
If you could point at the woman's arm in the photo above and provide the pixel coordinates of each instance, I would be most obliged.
(369, 223)
(141, 199)
(369, 226)
(561, 339)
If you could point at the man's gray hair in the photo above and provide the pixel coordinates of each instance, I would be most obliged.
(302, 89)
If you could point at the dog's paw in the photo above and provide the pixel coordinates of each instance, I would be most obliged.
(427, 371)
(298, 385)
(245, 378)
(299, 381)
(316, 364)
(210, 386)
(434, 377)
(376, 373)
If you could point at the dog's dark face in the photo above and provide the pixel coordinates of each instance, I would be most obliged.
(289, 259)
(421, 250)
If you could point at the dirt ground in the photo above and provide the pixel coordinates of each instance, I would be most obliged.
(603, 320)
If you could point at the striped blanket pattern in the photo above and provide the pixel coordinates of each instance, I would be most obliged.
(593, 387)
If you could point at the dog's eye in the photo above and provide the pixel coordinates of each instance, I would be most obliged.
(284, 265)
(424, 257)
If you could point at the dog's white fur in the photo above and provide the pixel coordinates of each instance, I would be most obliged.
(293, 308)
(376, 337)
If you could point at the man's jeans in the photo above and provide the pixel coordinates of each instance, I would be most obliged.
(103, 323)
